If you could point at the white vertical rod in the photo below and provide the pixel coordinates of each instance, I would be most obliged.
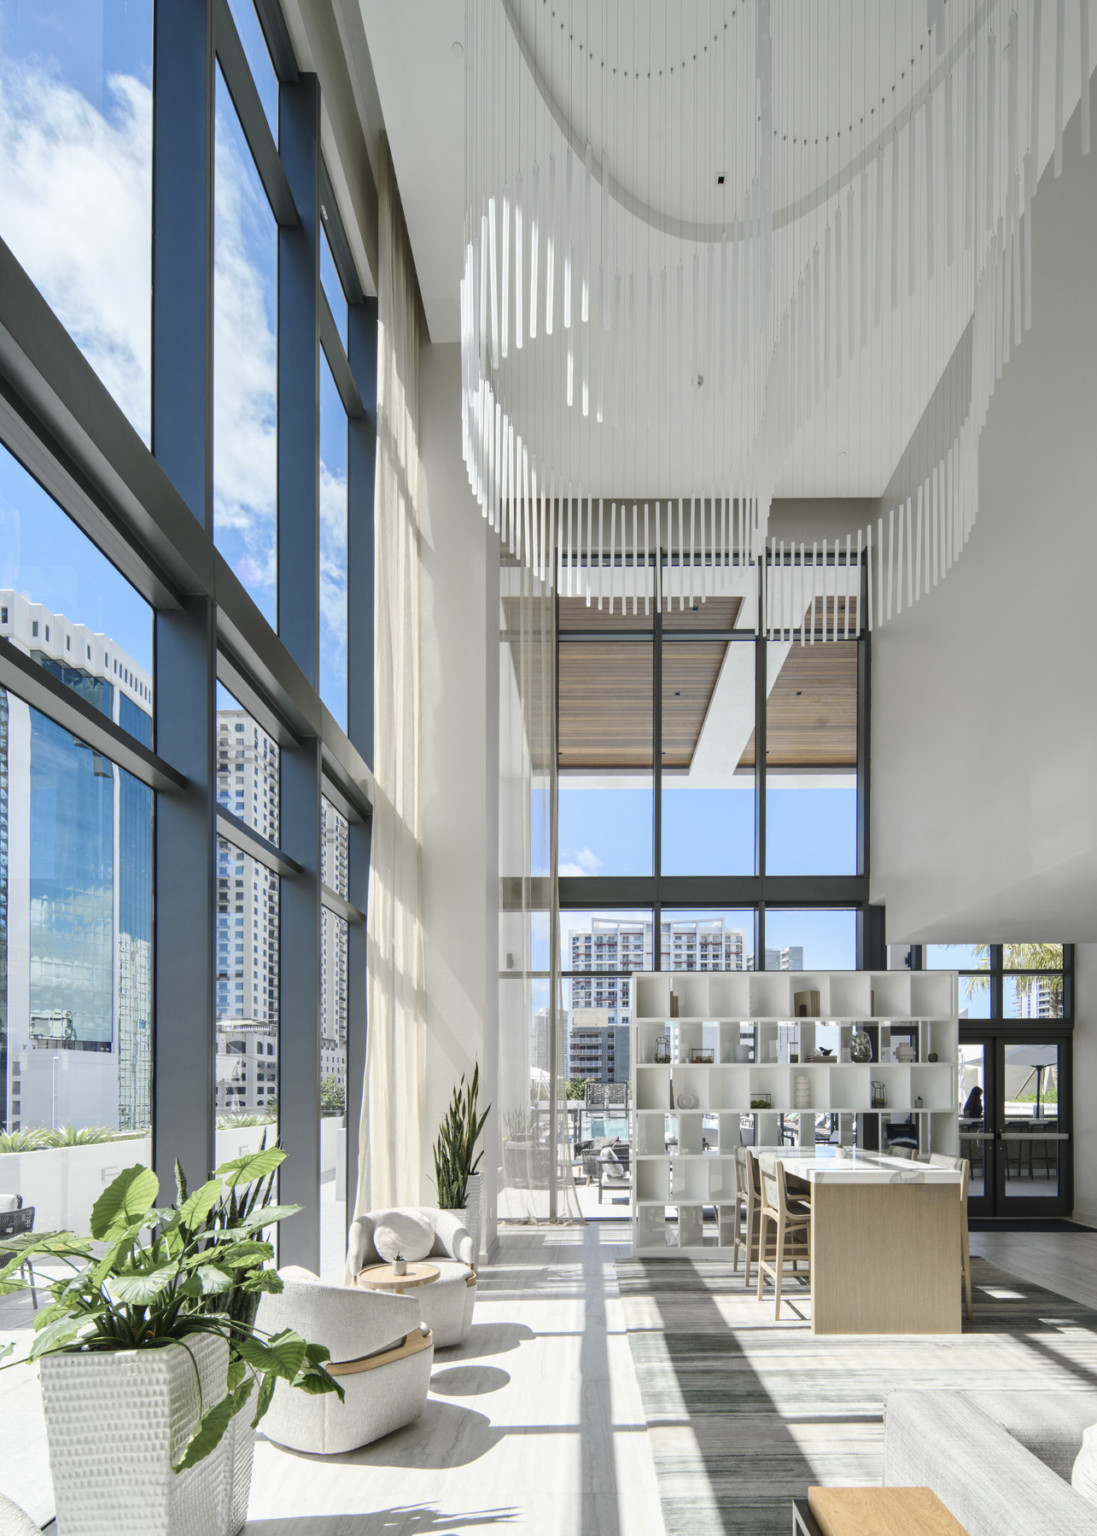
(493, 276)
(567, 242)
(519, 327)
(534, 221)
(1060, 71)
(550, 248)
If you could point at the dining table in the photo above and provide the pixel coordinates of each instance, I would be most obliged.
(885, 1239)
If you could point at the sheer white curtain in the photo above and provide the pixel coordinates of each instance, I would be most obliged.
(536, 1182)
(390, 1159)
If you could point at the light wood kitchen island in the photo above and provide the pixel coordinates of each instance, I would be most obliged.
(885, 1241)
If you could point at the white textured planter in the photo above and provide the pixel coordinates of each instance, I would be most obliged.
(116, 1422)
(240, 1460)
(474, 1191)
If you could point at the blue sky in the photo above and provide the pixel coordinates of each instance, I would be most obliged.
(75, 206)
(44, 556)
(706, 831)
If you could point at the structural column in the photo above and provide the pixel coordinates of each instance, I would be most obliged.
(298, 628)
(185, 639)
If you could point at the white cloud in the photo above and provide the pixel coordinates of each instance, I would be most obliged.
(76, 209)
(245, 365)
(583, 862)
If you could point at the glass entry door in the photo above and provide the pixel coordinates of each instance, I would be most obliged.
(1014, 1103)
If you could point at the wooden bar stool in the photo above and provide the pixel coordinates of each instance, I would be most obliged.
(792, 1220)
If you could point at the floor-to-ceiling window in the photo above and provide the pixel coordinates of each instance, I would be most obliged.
(185, 683)
(712, 791)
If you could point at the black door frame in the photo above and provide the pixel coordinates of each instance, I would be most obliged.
(995, 1036)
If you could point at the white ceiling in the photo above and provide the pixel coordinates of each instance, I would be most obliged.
(854, 438)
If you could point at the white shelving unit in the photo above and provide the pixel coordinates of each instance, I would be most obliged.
(684, 1152)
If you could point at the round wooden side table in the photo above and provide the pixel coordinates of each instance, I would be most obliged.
(379, 1277)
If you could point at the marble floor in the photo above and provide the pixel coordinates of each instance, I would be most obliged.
(533, 1425)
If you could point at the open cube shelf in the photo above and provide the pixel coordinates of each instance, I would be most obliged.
(781, 1045)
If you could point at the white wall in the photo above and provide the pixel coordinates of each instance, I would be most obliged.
(460, 734)
(984, 731)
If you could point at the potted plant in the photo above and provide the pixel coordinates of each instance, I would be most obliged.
(399, 1264)
(149, 1350)
(455, 1175)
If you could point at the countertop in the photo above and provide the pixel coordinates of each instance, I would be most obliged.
(851, 1165)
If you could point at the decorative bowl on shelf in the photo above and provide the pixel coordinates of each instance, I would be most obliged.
(822, 1053)
(687, 1101)
(761, 1100)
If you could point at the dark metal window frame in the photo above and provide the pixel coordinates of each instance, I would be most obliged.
(151, 514)
(759, 891)
(998, 974)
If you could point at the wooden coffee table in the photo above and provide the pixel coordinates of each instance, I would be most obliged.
(379, 1277)
(873, 1512)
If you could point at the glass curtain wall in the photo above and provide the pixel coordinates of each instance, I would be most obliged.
(750, 851)
(536, 1151)
(152, 987)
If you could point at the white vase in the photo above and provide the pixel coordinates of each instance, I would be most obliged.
(474, 1211)
(116, 1423)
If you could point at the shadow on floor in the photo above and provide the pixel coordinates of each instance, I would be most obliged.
(444, 1435)
(468, 1380)
(491, 1339)
(404, 1520)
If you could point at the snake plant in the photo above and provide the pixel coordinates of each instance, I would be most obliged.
(457, 1137)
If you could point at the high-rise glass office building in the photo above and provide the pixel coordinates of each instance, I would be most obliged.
(75, 916)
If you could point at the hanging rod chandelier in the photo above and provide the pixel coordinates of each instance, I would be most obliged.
(706, 242)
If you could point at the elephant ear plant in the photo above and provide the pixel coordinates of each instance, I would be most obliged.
(457, 1138)
(151, 1277)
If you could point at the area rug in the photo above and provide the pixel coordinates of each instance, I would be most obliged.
(744, 1412)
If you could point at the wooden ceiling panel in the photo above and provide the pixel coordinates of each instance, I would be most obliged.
(690, 671)
(606, 705)
(811, 721)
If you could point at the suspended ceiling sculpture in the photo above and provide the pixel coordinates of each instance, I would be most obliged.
(707, 241)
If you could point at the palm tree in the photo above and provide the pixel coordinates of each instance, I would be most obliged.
(1044, 958)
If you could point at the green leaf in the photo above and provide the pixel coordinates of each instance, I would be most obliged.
(316, 1383)
(180, 1183)
(129, 1198)
(237, 1372)
(207, 1280)
(211, 1427)
(262, 1401)
(244, 1255)
(268, 1216)
(268, 1280)
(141, 1286)
(58, 1335)
(252, 1166)
(195, 1209)
(49, 1314)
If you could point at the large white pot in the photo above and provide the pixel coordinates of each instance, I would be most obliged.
(474, 1211)
(117, 1422)
(242, 1455)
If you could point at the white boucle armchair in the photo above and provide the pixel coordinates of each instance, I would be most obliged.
(380, 1354)
(446, 1305)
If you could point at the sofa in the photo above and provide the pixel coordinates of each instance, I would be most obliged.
(1000, 1461)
